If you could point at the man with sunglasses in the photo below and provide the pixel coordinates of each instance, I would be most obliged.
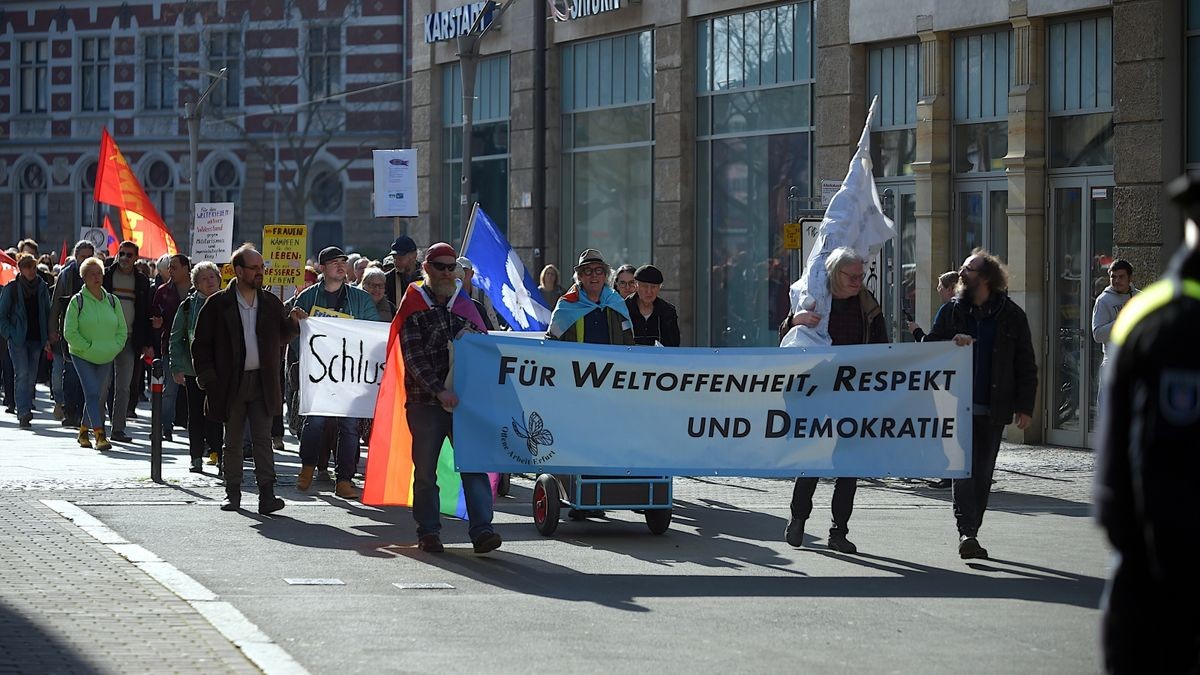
(430, 316)
(332, 292)
(132, 288)
(982, 316)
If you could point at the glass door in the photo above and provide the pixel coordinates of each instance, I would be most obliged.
(1081, 251)
(981, 218)
(892, 275)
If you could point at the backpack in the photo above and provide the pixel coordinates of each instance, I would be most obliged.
(112, 301)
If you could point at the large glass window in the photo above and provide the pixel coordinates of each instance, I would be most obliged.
(32, 202)
(160, 188)
(158, 55)
(34, 76)
(95, 79)
(225, 51)
(894, 75)
(324, 61)
(754, 127)
(608, 146)
(1079, 90)
(489, 143)
(982, 72)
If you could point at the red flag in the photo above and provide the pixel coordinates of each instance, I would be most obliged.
(8, 268)
(117, 185)
(62, 257)
(113, 241)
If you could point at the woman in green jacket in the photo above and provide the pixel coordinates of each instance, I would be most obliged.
(95, 332)
(206, 280)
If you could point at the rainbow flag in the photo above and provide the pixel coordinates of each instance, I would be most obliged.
(389, 476)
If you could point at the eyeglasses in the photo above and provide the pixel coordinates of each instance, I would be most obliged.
(852, 277)
(444, 267)
(631, 282)
(126, 254)
(592, 272)
(376, 284)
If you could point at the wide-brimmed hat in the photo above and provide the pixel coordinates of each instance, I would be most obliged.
(590, 255)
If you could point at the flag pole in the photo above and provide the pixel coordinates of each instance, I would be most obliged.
(470, 229)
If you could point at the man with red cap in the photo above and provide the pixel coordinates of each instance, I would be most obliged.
(433, 313)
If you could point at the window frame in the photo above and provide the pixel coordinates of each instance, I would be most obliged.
(1082, 112)
(159, 69)
(39, 69)
(101, 72)
(231, 85)
(328, 58)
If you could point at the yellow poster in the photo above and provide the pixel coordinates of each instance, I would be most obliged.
(284, 249)
(317, 310)
(227, 274)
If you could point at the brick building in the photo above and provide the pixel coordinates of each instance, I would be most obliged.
(70, 68)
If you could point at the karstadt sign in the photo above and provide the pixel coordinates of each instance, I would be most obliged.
(452, 23)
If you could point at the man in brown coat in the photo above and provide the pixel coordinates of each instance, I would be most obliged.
(237, 352)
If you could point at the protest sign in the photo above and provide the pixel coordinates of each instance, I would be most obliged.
(212, 232)
(395, 183)
(284, 250)
(341, 366)
(861, 410)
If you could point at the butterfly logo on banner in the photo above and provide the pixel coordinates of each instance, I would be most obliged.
(535, 435)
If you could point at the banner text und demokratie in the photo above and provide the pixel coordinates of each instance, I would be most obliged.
(863, 410)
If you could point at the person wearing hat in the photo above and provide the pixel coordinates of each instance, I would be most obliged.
(654, 319)
(591, 311)
(404, 268)
(332, 292)
(430, 316)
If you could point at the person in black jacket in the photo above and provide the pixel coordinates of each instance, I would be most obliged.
(984, 316)
(132, 288)
(1146, 466)
(654, 319)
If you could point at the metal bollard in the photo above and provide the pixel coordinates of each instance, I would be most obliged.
(156, 392)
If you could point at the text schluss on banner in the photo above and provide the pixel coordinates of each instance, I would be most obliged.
(862, 410)
(341, 366)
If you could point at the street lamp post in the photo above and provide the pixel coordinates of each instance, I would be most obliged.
(191, 113)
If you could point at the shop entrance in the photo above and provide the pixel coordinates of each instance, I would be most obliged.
(1080, 252)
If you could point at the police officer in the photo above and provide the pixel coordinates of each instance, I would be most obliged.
(1146, 467)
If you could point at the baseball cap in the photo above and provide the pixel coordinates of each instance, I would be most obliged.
(403, 245)
(329, 254)
(465, 263)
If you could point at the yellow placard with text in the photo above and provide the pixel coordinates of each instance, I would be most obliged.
(284, 250)
(226, 274)
(317, 310)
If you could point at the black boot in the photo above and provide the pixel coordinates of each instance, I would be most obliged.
(233, 498)
(268, 503)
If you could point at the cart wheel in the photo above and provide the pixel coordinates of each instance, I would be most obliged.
(502, 487)
(658, 520)
(545, 504)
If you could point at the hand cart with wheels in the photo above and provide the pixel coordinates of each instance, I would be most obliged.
(650, 495)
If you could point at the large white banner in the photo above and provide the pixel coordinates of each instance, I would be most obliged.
(395, 183)
(212, 233)
(341, 366)
(862, 410)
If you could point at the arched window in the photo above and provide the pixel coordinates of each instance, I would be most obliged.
(326, 198)
(224, 184)
(32, 203)
(160, 188)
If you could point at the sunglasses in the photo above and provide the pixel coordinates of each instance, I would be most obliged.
(592, 271)
(126, 254)
(444, 267)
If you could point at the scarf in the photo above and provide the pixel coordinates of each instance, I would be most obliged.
(574, 305)
(29, 288)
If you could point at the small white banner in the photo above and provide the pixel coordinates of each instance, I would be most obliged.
(395, 183)
(341, 366)
(212, 233)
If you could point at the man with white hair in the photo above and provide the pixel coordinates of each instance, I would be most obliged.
(854, 318)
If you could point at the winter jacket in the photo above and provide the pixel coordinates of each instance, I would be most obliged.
(165, 301)
(1013, 386)
(358, 304)
(183, 331)
(14, 321)
(95, 328)
(69, 283)
(1105, 312)
(662, 324)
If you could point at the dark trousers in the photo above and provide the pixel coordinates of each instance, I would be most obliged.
(312, 442)
(843, 502)
(247, 409)
(431, 426)
(204, 435)
(971, 494)
(7, 375)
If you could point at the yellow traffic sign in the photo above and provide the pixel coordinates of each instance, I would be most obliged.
(791, 236)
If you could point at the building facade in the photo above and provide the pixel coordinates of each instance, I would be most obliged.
(675, 132)
(282, 134)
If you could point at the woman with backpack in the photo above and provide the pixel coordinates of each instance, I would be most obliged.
(206, 280)
(95, 332)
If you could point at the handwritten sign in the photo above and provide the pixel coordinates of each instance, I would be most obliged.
(212, 232)
(284, 249)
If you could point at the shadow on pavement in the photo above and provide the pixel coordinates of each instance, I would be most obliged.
(26, 648)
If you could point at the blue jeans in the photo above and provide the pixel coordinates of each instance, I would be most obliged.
(25, 356)
(347, 445)
(170, 393)
(93, 379)
(430, 426)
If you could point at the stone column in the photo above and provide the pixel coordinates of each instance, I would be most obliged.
(520, 127)
(1147, 131)
(1025, 166)
(425, 115)
(674, 243)
(932, 165)
(840, 101)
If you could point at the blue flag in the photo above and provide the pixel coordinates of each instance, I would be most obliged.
(501, 274)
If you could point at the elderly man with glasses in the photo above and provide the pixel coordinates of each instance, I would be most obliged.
(591, 311)
(855, 318)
